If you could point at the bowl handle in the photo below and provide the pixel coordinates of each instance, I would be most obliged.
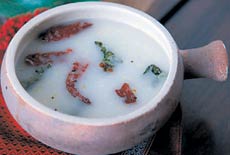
(210, 61)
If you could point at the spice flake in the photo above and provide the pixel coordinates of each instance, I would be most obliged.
(60, 32)
(126, 92)
(76, 72)
(38, 59)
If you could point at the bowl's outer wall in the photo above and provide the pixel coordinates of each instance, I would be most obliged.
(90, 140)
(79, 138)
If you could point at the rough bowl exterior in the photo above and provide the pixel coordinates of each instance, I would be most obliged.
(83, 139)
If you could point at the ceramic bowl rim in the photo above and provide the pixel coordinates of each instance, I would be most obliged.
(10, 67)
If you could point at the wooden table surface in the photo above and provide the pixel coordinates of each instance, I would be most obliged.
(205, 103)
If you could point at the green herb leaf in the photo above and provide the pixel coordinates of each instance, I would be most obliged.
(103, 49)
(109, 58)
(49, 66)
(39, 73)
(98, 43)
(108, 54)
(147, 69)
(108, 63)
(154, 69)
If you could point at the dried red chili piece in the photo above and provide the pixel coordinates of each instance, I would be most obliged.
(125, 91)
(60, 32)
(38, 59)
(76, 73)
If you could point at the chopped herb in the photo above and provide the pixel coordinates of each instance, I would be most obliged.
(103, 49)
(49, 66)
(52, 97)
(40, 71)
(36, 77)
(98, 43)
(154, 69)
(28, 83)
(109, 58)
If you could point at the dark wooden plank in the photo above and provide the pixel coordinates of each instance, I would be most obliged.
(161, 7)
(136, 4)
(205, 103)
(168, 138)
(156, 8)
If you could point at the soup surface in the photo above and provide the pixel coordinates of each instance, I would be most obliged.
(134, 51)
